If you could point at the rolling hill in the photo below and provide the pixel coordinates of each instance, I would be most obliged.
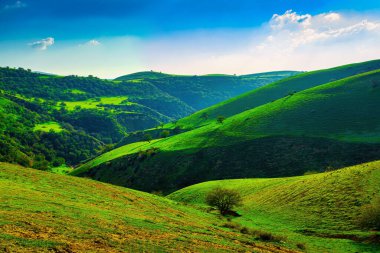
(45, 212)
(323, 128)
(319, 210)
(69, 119)
(272, 92)
(202, 91)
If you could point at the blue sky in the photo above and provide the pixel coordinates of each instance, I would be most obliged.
(113, 37)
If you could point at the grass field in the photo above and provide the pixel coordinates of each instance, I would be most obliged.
(48, 126)
(62, 170)
(317, 210)
(46, 212)
(96, 103)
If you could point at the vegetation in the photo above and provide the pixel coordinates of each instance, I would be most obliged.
(223, 199)
(319, 212)
(45, 212)
(45, 118)
(323, 128)
(277, 90)
(369, 217)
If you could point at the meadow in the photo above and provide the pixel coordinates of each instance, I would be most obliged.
(319, 211)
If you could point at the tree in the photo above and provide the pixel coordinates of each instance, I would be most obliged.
(223, 199)
(204, 115)
(165, 134)
(220, 119)
(148, 137)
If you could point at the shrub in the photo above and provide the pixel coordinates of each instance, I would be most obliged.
(310, 172)
(232, 225)
(301, 246)
(220, 119)
(165, 134)
(223, 199)
(148, 137)
(266, 236)
(370, 215)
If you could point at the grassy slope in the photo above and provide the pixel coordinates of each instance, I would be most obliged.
(346, 110)
(45, 212)
(332, 125)
(301, 208)
(273, 92)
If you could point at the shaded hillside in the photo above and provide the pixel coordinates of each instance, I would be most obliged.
(67, 214)
(319, 210)
(327, 127)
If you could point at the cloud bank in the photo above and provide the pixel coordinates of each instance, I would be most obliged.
(42, 44)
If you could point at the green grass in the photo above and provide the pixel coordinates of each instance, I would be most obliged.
(272, 92)
(301, 208)
(44, 212)
(62, 170)
(113, 154)
(331, 125)
(346, 110)
(76, 91)
(48, 126)
(94, 103)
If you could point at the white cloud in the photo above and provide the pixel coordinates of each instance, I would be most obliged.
(286, 41)
(289, 19)
(16, 5)
(293, 30)
(42, 44)
(93, 43)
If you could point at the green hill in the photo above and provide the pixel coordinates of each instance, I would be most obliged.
(318, 210)
(272, 92)
(96, 114)
(142, 75)
(326, 127)
(45, 212)
(202, 91)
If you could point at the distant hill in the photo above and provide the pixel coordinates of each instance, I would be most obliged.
(45, 212)
(270, 93)
(142, 75)
(319, 210)
(326, 127)
(102, 112)
(199, 92)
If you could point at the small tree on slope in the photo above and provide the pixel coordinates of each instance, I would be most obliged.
(223, 199)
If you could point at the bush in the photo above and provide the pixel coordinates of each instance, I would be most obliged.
(220, 119)
(165, 134)
(370, 215)
(223, 199)
(301, 246)
(232, 225)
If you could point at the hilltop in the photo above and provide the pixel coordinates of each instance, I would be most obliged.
(45, 212)
(319, 210)
(323, 128)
